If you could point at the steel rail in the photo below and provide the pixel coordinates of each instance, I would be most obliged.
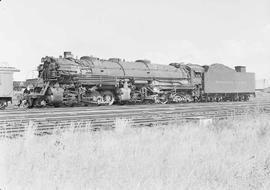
(108, 108)
(96, 113)
(12, 124)
(15, 111)
(48, 129)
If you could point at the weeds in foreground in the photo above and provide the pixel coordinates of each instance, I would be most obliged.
(229, 154)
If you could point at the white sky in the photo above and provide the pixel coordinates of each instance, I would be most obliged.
(232, 32)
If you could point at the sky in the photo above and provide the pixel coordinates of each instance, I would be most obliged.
(231, 32)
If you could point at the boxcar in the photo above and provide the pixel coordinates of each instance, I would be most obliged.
(6, 85)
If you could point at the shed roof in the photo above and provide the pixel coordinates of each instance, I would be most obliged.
(9, 69)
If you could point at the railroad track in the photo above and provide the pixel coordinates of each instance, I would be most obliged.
(14, 122)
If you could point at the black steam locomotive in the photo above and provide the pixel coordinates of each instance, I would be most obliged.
(90, 80)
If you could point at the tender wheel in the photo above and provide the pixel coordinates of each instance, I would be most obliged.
(107, 97)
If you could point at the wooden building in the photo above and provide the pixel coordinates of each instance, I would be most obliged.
(6, 84)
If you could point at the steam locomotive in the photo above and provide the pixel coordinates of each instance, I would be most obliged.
(89, 80)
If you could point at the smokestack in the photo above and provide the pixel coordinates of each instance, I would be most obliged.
(68, 54)
(240, 69)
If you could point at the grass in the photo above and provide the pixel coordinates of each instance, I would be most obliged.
(229, 154)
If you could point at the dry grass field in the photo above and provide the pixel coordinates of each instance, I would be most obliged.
(231, 154)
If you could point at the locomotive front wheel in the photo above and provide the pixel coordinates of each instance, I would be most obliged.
(108, 97)
(25, 104)
(3, 105)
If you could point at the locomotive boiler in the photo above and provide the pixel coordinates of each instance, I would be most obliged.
(90, 80)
